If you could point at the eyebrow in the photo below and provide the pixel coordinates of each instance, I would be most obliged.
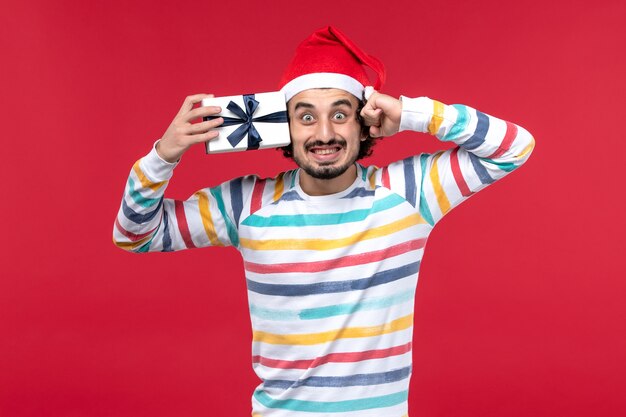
(342, 102)
(305, 105)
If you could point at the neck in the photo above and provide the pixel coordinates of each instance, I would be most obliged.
(316, 187)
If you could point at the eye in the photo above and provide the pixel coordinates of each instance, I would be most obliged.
(339, 116)
(306, 118)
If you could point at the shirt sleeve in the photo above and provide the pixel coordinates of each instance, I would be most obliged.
(147, 222)
(487, 149)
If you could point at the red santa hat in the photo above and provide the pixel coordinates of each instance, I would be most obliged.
(328, 59)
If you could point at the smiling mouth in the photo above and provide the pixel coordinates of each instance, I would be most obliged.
(325, 151)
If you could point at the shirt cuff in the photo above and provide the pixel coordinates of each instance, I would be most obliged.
(416, 113)
(156, 168)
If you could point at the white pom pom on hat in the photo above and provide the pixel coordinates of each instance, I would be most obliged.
(328, 59)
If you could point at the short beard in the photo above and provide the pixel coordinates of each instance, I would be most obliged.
(325, 172)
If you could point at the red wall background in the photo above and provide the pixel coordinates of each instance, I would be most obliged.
(521, 304)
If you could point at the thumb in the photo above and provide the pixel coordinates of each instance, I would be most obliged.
(375, 131)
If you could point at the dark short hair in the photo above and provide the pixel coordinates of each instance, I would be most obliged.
(367, 145)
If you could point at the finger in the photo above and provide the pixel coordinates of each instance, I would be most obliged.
(205, 137)
(370, 109)
(375, 131)
(369, 106)
(204, 126)
(371, 117)
(190, 101)
(201, 112)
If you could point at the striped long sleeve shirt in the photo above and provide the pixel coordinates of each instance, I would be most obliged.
(330, 279)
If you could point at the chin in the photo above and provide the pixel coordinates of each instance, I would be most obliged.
(325, 173)
(326, 170)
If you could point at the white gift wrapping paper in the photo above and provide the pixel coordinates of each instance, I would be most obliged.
(272, 135)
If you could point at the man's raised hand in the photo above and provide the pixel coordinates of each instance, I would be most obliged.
(382, 114)
(182, 133)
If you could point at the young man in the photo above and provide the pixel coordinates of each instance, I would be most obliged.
(332, 249)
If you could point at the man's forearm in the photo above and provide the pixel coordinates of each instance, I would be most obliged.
(140, 216)
(485, 136)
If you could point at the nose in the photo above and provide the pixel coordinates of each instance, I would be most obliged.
(325, 130)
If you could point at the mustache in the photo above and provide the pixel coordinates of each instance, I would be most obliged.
(332, 142)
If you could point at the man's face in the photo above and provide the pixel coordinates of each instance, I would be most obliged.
(325, 132)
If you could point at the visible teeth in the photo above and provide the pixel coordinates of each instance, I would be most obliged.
(325, 151)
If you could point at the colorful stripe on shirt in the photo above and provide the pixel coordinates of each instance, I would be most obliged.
(341, 262)
(328, 244)
(401, 323)
(328, 287)
(337, 357)
(331, 310)
(376, 378)
(344, 406)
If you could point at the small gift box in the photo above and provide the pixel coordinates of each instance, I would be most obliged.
(251, 121)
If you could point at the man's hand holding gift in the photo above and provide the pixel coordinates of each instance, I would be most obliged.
(182, 133)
